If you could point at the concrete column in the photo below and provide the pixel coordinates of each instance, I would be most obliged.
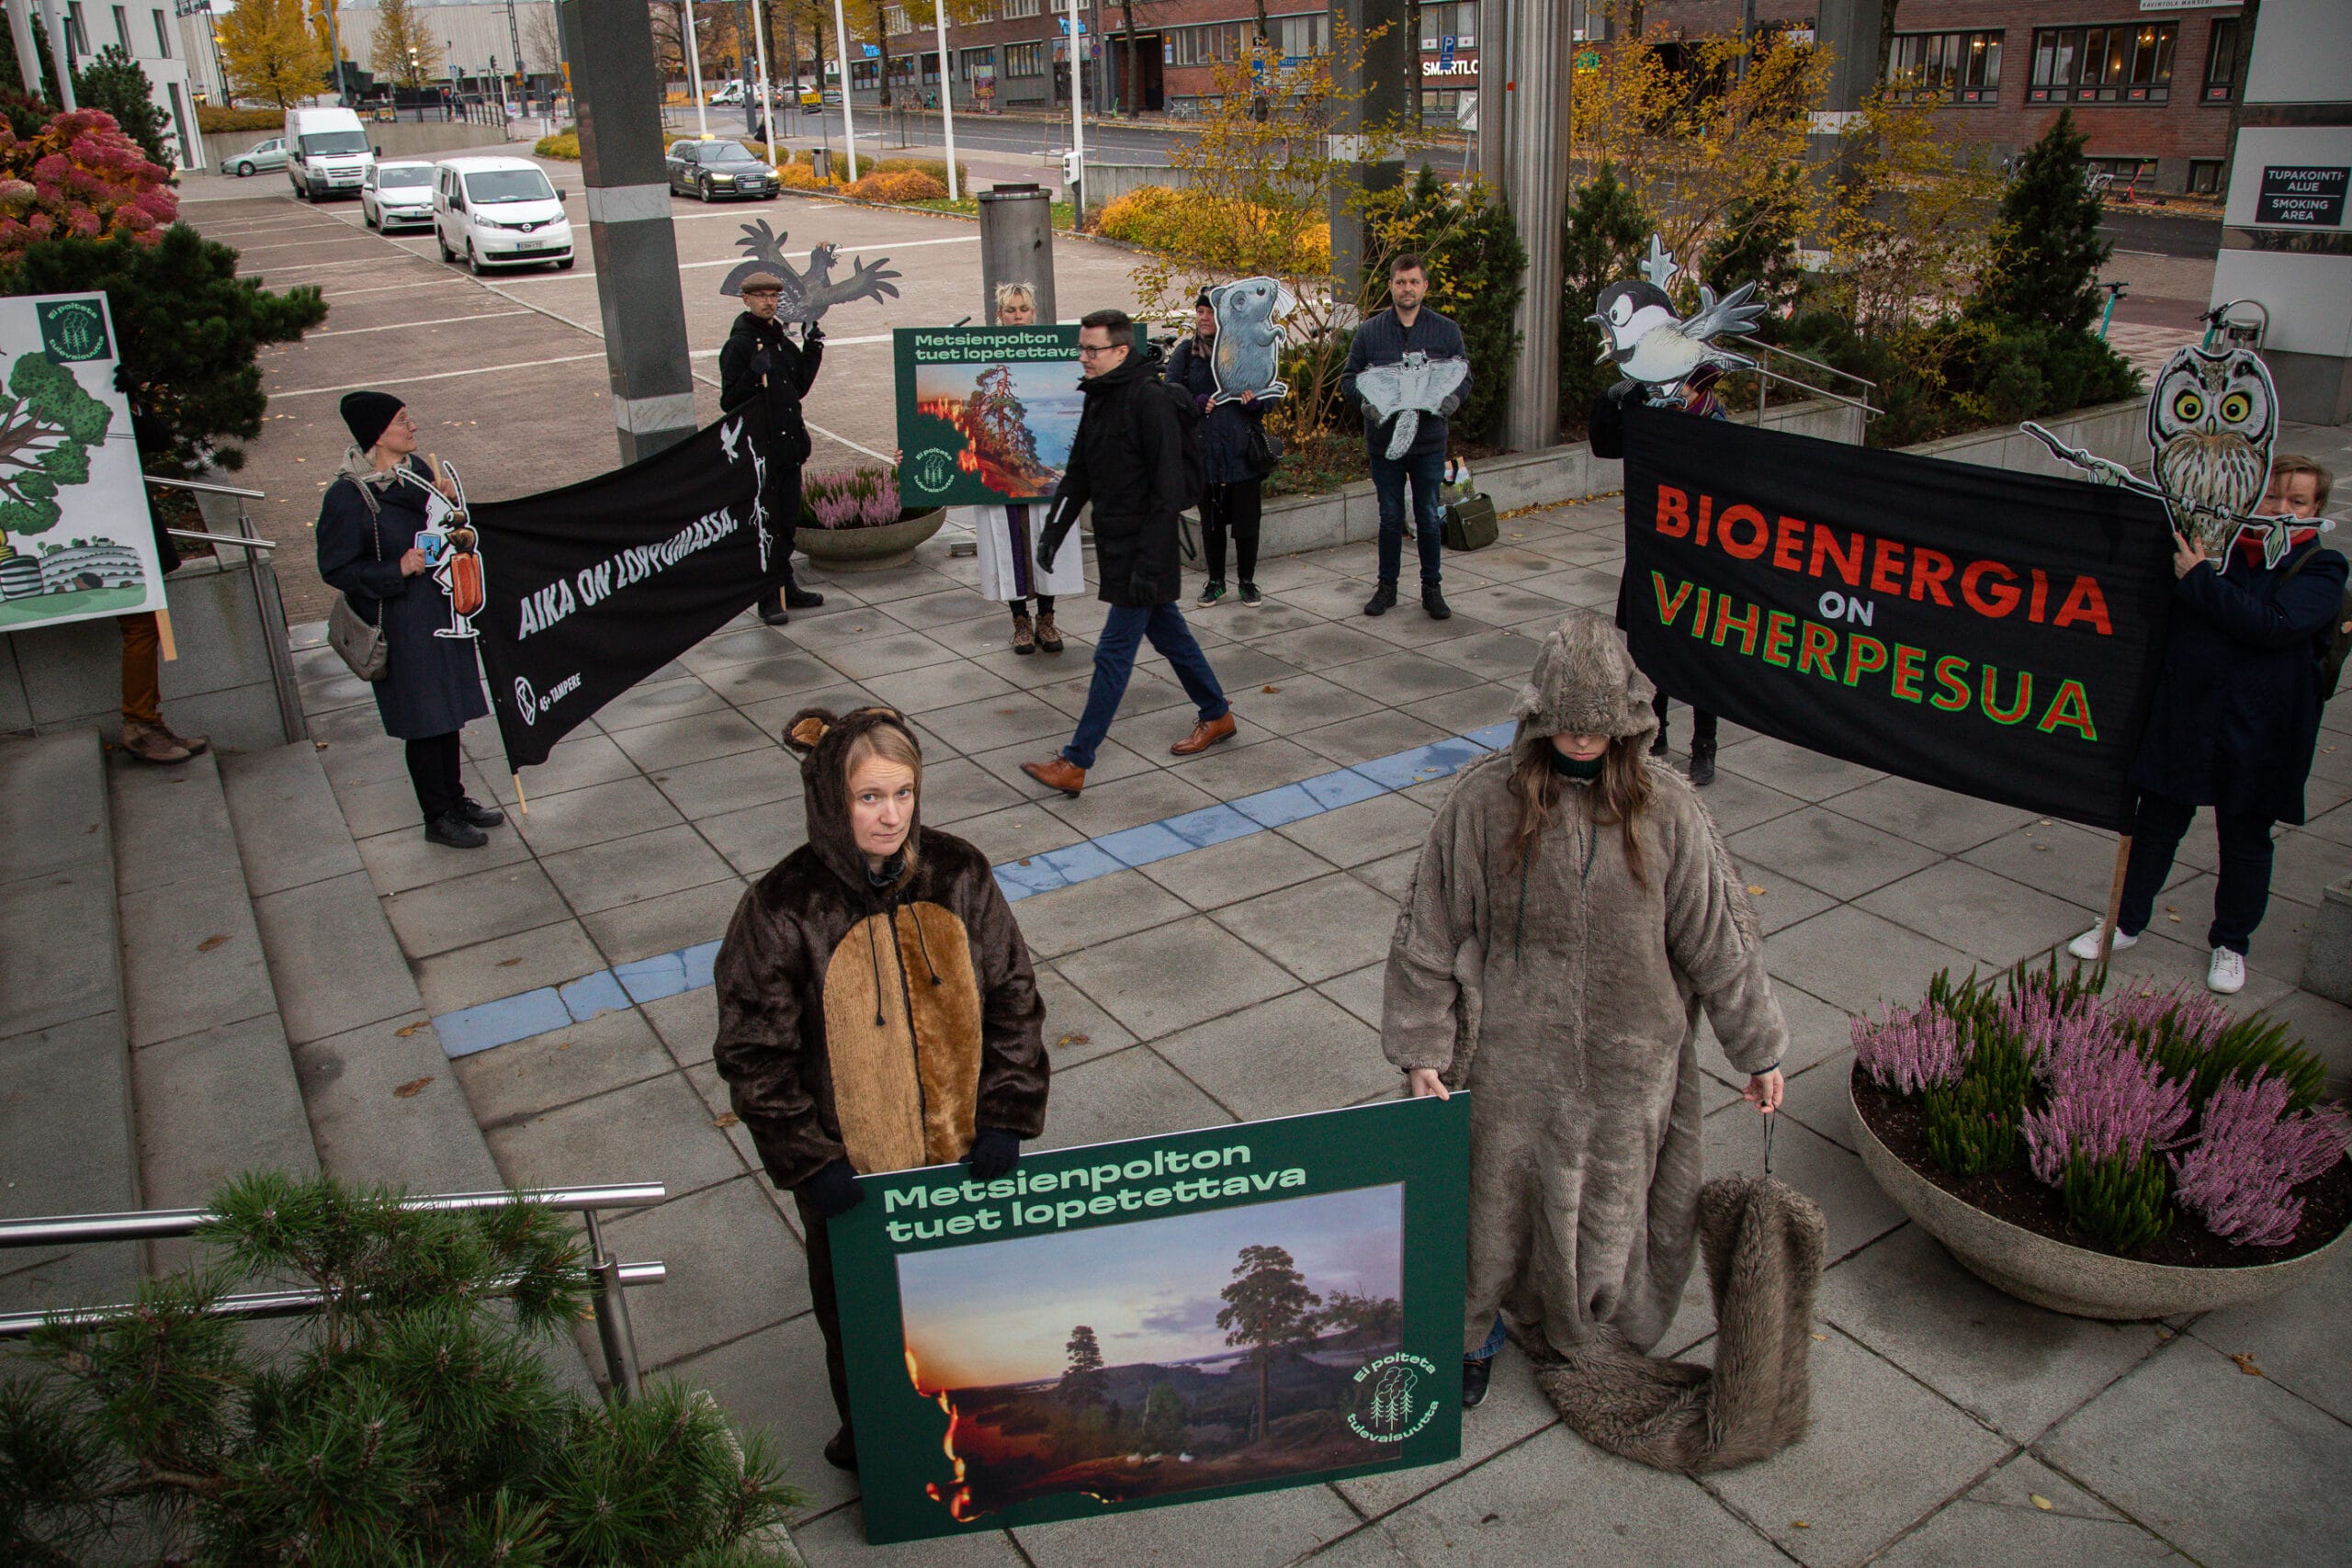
(1539, 65)
(618, 98)
(1377, 88)
(1017, 247)
(20, 29)
(1852, 31)
(60, 55)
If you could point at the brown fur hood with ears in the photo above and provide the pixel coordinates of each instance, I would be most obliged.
(880, 1024)
(1762, 1241)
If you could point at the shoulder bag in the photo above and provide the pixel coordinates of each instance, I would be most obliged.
(362, 647)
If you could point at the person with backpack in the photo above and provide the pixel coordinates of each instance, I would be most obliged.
(2249, 662)
(1137, 458)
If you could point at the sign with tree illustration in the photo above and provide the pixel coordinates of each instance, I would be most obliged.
(1163, 1320)
(986, 414)
(75, 538)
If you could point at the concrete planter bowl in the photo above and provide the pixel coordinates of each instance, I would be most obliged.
(869, 549)
(2075, 1279)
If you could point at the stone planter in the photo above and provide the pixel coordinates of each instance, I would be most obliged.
(868, 549)
(2033, 1267)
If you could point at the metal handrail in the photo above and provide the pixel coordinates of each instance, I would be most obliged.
(238, 540)
(1817, 364)
(1764, 377)
(608, 1301)
(208, 490)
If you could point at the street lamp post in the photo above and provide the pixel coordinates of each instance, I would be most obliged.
(694, 68)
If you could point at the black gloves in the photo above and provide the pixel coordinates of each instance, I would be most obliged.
(994, 1153)
(833, 1190)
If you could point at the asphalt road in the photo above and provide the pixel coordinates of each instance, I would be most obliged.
(2154, 230)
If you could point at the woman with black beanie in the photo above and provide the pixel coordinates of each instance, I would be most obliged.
(368, 521)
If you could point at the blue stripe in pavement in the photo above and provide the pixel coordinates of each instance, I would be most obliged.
(491, 1024)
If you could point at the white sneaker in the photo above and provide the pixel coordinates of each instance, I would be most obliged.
(2086, 946)
(2227, 974)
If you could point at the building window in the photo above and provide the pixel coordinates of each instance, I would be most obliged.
(2118, 62)
(122, 30)
(1953, 68)
(2222, 63)
(1204, 46)
(1298, 37)
(894, 21)
(980, 59)
(1024, 59)
(2108, 173)
(2205, 176)
(163, 37)
(863, 73)
(1459, 19)
(1016, 9)
(77, 33)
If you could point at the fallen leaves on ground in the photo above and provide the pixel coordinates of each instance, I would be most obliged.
(1270, 690)
(508, 963)
(209, 943)
(1074, 1040)
(406, 1029)
(1755, 890)
(412, 1089)
(724, 1119)
(2039, 1501)
(2246, 1363)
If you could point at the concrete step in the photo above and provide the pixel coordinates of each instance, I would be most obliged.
(212, 1073)
(383, 1105)
(67, 1145)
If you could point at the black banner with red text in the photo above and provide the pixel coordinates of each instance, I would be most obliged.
(1991, 633)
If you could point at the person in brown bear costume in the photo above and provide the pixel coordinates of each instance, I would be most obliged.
(1573, 912)
(875, 936)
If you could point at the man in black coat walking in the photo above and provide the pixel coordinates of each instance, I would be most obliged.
(1128, 459)
(759, 360)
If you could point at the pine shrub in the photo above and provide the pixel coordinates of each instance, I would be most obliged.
(1605, 237)
(412, 1418)
(2046, 249)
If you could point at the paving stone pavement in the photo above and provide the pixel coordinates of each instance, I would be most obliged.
(1243, 980)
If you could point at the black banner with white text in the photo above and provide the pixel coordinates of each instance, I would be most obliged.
(1991, 633)
(593, 587)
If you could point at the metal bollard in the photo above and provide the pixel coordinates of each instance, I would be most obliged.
(1017, 247)
(611, 1306)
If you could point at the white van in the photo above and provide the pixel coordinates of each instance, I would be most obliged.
(499, 212)
(326, 152)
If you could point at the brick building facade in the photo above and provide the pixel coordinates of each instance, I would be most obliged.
(2151, 86)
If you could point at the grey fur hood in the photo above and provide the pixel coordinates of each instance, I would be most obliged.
(1585, 683)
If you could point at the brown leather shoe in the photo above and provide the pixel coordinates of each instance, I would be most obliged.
(1060, 773)
(1050, 637)
(153, 744)
(1205, 734)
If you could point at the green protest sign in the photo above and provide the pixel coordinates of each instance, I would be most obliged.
(1162, 1320)
(986, 414)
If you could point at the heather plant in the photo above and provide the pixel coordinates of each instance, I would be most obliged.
(2120, 1102)
(851, 498)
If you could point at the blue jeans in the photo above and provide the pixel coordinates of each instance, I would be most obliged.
(1493, 1345)
(1427, 472)
(1114, 661)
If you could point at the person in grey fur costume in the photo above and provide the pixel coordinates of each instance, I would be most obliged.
(1562, 982)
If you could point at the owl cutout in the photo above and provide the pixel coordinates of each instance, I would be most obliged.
(2212, 421)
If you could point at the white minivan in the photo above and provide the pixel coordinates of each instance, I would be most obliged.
(326, 152)
(499, 212)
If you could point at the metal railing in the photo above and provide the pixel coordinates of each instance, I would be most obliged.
(610, 1276)
(1765, 376)
(267, 604)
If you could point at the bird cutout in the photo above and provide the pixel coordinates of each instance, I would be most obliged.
(1248, 354)
(1652, 345)
(809, 293)
(1404, 391)
(2212, 421)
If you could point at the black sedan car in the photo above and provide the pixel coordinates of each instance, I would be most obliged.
(713, 169)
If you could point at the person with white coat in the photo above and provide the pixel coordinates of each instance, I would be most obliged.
(1007, 535)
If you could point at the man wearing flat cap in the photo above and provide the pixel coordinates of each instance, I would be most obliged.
(759, 361)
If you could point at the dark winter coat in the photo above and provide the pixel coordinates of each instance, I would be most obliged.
(883, 1026)
(433, 684)
(2236, 711)
(760, 357)
(1382, 340)
(1226, 428)
(1128, 459)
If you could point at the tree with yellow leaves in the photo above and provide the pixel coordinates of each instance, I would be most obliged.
(403, 48)
(270, 51)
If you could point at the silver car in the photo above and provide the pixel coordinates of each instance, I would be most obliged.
(269, 154)
(397, 196)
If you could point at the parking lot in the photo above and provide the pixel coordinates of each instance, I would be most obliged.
(505, 373)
